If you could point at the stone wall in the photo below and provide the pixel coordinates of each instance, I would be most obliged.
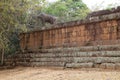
(90, 43)
(100, 29)
(104, 56)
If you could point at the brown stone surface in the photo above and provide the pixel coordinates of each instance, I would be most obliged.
(80, 36)
(101, 31)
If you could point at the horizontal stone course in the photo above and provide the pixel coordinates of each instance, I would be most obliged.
(81, 57)
(82, 49)
(79, 65)
(23, 63)
(38, 64)
(72, 59)
(108, 66)
(72, 54)
(63, 59)
(73, 49)
(97, 59)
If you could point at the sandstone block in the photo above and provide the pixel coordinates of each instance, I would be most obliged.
(107, 66)
(117, 66)
(110, 66)
(79, 65)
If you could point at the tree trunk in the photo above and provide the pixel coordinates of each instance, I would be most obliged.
(2, 59)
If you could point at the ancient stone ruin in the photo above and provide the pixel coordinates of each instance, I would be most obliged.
(45, 18)
(90, 43)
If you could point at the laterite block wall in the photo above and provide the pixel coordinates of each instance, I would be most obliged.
(90, 43)
(97, 29)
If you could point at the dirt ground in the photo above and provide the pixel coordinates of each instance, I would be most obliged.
(27, 73)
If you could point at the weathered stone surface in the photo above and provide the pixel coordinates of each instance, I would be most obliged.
(98, 30)
(103, 66)
(117, 65)
(83, 48)
(77, 59)
(71, 54)
(107, 65)
(93, 42)
(96, 65)
(97, 59)
(111, 53)
(62, 59)
(79, 65)
(23, 63)
(57, 64)
(110, 66)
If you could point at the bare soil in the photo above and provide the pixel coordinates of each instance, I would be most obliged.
(29, 73)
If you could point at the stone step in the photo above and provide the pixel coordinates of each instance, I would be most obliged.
(97, 60)
(62, 59)
(57, 64)
(23, 63)
(6, 67)
(82, 49)
(71, 54)
(72, 65)
(73, 49)
(79, 65)
(92, 65)
(86, 57)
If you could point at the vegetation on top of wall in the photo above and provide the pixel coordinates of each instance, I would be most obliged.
(64, 10)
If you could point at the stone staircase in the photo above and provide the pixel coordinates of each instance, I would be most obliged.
(107, 56)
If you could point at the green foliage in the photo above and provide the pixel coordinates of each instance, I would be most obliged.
(12, 18)
(67, 10)
(34, 10)
(64, 10)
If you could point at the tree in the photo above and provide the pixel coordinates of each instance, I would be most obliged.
(34, 10)
(67, 10)
(64, 10)
(12, 19)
